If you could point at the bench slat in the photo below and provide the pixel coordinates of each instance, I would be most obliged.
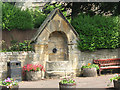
(110, 67)
(108, 64)
(107, 59)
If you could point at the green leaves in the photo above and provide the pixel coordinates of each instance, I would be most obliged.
(24, 46)
(15, 18)
(38, 17)
(67, 80)
(49, 7)
(91, 66)
(116, 77)
(96, 32)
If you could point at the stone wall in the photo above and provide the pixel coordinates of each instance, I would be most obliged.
(23, 57)
(34, 57)
(88, 57)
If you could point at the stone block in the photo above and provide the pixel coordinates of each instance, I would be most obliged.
(24, 53)
(15, 53)
(9, 53)
(2, 53)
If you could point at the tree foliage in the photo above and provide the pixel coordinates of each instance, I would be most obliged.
(38, 17)
(96, 32)
(51, 6)
(15, 18)
(93, 8)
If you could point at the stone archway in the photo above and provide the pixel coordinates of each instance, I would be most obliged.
(57, 46)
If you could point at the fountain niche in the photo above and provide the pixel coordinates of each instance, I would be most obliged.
(56, 45)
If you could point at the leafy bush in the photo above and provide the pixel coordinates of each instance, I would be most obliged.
(15, 18)
(67, 80)
(96, 32)
(49, 7)
(25, 46)
(89, 65)
(15, 46)
(116, 77)
(9, 82)
(38, 17)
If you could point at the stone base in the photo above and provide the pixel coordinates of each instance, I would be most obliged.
(89, 72)
(58, 74)
(33, 75)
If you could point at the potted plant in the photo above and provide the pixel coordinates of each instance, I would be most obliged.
(116, 81)
(90, 70)
(9, 84)
(67, 83)
(33, 72)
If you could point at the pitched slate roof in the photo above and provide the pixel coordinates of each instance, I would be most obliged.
(47, 20)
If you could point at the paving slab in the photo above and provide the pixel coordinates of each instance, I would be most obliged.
(82, 82)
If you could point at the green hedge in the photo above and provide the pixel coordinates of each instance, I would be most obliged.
(96, 32)
(15, 18)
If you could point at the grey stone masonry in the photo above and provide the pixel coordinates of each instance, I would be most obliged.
(23, 57)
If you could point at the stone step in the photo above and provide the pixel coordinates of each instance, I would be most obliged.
(58, 74)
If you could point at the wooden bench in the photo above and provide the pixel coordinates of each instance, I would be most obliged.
(107, 64)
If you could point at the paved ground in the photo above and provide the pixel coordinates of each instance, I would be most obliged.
(82, 82)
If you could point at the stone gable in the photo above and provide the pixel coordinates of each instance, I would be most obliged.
(55, 41)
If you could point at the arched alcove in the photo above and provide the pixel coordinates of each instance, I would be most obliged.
(57, 46)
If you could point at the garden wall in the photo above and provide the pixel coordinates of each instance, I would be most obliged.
(23, 57)
(18, 35)
(87, 56)
(34, 57)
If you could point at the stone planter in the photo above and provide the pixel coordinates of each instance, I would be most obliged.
(5, 88)
(33, 75)
(69, 86)
(89, 72)
(116, 84)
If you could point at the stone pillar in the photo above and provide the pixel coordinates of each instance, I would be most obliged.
(42, 55)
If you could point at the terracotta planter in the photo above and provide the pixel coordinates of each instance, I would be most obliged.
(89, 72)
(33, 75)
(5, 88)
(69, 86)
(116, 84)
